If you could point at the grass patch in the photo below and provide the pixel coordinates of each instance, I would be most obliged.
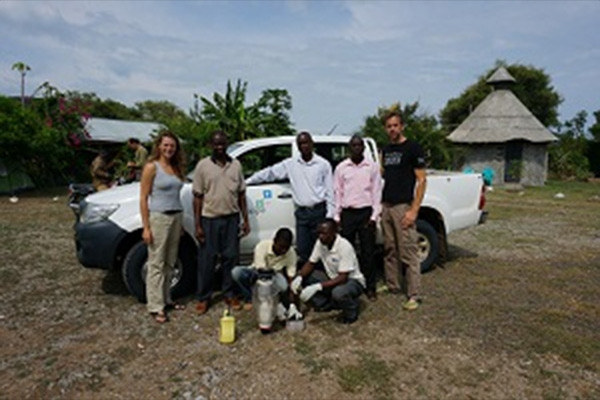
(304, 347)
(309, 359)
(370, 372)
(9, 277)
(518, 301)
(557, 333)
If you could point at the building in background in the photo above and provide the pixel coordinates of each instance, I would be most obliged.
(501, 134)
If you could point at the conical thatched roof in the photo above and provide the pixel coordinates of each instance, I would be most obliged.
(501, 75)
(501, 117)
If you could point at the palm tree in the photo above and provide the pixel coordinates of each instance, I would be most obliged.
(22, 68)
(230, 112)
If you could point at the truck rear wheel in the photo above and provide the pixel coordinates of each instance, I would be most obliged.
(183, 281)
(429, 245)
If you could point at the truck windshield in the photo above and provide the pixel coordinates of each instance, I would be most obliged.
(232, 147)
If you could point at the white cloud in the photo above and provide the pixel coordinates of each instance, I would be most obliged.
(338, 60)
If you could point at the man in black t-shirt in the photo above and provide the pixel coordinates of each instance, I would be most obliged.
(403, 164)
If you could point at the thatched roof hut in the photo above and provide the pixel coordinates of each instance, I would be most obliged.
(501, 117)
(501, 133)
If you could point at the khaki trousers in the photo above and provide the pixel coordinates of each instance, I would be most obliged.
(400, 249)
(162, 256)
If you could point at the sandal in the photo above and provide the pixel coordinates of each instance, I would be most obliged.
(159, 317)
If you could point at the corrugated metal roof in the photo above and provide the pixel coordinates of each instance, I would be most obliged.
(499, 118)
(118, 131)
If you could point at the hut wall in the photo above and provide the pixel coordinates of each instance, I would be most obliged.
(535, 164)
(535, 161)
(480, 156)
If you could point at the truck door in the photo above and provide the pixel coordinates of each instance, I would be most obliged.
(270, 205)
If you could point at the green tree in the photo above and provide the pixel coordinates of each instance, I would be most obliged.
(593, 153)
(267, 117)
(595, 128)
(533, 87)
(158, 111)
(104, 108)
(418, 126)
(22, 68)
(229, 112)
(41, 144)
(567, 156)
(273, 107)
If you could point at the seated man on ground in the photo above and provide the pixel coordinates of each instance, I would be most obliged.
(342, 283)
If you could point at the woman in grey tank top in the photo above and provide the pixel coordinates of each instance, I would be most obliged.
(161, 210)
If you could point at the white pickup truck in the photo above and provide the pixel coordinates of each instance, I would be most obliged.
(108, 228)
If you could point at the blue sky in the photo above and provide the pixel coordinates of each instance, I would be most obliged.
(339, 60)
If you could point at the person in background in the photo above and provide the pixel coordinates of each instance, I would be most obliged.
(403, 164)
(341, 284)
(357, 190)
(219, 199)
(100, 171)
(311, 181)
(161, 212)
(275, 255)
(139, 159)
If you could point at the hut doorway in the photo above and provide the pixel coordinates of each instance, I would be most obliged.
(513, 161)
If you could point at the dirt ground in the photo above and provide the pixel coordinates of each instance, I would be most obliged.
(513, 314)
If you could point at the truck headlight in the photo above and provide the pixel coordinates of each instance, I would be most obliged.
(97, 212)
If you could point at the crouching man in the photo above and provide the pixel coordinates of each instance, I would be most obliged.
(275, 255)
(342, 283)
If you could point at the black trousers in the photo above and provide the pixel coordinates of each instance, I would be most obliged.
(307, 219)
(221, 238)
(355, 225)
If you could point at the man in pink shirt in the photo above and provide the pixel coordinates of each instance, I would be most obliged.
(357, 191)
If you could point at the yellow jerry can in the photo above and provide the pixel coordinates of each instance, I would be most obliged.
(227, 333)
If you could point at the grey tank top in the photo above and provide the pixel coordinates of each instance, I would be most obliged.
(165, 191)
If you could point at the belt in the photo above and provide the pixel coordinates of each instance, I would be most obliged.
(171, 212)
(313, 207)
(357, 210)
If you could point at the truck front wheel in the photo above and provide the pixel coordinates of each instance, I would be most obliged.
(429, 245)
(135, 266)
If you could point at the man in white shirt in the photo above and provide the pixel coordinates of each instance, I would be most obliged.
(275, 255)
(342, 283)
(311, 180)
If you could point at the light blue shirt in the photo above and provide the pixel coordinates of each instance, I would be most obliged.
(311, 181)
(164, 195)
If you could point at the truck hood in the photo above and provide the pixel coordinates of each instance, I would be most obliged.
(116, 195)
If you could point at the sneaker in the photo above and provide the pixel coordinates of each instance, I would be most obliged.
(410, 304)
(234, 303)
(202, 307)
(382, 289)
(386, 289)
